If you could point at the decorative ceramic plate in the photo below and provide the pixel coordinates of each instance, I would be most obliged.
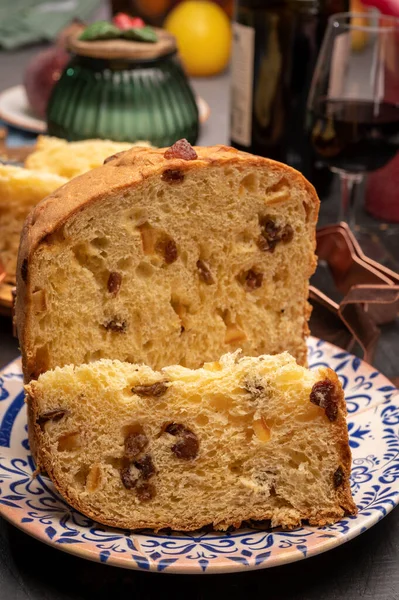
(15, 110)
(34, 506)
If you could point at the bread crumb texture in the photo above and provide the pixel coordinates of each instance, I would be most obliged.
(69, 159)
(168, 261)
(238, 439)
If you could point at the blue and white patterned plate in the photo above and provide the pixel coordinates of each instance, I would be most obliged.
(33, 505)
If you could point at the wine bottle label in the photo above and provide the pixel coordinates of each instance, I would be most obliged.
(242, 72)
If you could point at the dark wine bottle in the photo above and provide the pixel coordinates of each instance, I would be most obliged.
(275, 48)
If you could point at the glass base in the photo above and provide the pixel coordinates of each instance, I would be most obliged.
(379, 240)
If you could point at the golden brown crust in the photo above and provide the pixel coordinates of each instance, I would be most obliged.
(342, 442)
(32, 433)
(125, 170)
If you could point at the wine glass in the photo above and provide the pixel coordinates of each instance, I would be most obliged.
(353, 104)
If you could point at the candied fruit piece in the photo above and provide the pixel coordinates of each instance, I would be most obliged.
(167, 247)
(129, 479)
(204, 273)
(234, 334)
(114, 282)
(287, 233)
(253, 280)
(148, 238)
(271, 234)
(338, 477)
(181, 149)
(93, 478)
(323, 395)
(69, 441)
(135, 443)
(145, 466)
(145, 491)
(51, 415)
(156, 389)
(172, 176)
(261, 429)
(116, 325)
(187, 445)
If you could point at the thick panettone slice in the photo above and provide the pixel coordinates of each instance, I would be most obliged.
(239, 439)
(168, 257)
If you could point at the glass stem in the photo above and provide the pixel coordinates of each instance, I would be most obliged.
(350, 182)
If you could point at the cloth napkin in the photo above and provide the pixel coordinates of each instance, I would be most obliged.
(25, 22)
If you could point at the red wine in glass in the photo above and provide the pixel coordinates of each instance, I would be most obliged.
(355, 136)
(353, 104)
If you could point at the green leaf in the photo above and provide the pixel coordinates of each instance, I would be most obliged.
(100, 30)
(140, 34)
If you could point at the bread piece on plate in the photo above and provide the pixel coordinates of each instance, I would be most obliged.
(161, 259)
(69, 159)
(20, 190)
(50, 165)
(239, 439)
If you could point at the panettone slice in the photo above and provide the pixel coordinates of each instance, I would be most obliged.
(239, 439)
(165, 257)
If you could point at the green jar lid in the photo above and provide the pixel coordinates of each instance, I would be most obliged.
(122, 49)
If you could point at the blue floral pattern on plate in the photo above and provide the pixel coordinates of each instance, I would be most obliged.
(33, 504)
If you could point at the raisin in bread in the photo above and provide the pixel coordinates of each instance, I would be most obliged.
(20, 190)
(159, 259)
(239, 439)
(69, 159)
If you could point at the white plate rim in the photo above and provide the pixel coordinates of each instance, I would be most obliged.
(16, 119)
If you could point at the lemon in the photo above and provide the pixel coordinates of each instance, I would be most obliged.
(203, 34)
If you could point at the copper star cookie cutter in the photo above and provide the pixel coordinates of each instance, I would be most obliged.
(370, 293)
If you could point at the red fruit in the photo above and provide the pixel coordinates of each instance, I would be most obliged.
(137, 22)
(42, 73)
(124, 21)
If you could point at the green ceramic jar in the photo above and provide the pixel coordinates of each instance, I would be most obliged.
(124, 91)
